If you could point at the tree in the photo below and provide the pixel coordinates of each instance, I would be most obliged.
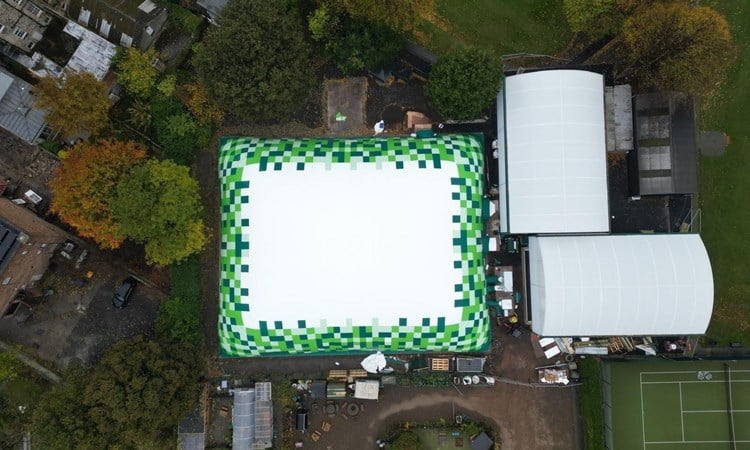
(74, 103)
(353, 43)
(158, 204)
(463, 84)
(136, 72)
(678, 46)
(140, 114)
(256, 63)
(179, 135)
(201, 106)
(140, 390)
(596, 18)
(407, 440)
(132, 399)
(82, 187)
(60, 420)
(400, 15)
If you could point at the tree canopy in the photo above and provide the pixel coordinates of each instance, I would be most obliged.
(140, 389)
(463, 84)
(679, 46)
(136, 73)
(353, 43)
(74, 103)
(82, 187)
(133, 398)
(256, 63)
(158, 204)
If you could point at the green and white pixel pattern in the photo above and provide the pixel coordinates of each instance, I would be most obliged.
(287, 335)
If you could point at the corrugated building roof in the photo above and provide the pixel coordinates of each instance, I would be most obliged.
(17, 112)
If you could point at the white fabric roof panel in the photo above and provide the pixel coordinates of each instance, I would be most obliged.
(620, 285)
(556, 153)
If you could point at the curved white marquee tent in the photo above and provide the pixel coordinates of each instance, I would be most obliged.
(553, 170)
(626, 285)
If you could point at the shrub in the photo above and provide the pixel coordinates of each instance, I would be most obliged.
(463, 84)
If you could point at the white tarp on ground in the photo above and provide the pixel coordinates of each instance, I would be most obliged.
(374, 363)
(626, 285)
(553, 172)
(367, 389)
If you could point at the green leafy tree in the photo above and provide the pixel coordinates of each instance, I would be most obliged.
(140, 390)
(678, 46)
(158, 204)
(61, 419)
(407, 440)
(74, 103)
(136, 72)
(463, 84)
(353, 43)
(256, 63)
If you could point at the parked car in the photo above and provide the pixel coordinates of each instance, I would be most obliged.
(123, 293)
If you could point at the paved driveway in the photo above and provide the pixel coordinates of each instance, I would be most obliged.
(75, 324)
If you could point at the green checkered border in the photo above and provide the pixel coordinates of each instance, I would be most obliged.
(285, 337)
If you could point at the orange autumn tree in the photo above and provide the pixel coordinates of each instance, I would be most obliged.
(83, 184)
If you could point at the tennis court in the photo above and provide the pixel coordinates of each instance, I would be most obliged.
(677, 405)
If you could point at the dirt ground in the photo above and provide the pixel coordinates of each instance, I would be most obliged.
(525, 418)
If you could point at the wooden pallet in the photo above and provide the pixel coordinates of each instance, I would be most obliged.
(338, 375)
(440, 364)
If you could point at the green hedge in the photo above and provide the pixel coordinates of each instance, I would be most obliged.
(179, 316)
(590, 399)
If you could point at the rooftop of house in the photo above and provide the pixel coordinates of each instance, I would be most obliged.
(17, 112)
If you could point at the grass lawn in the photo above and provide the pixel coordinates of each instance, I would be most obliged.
(503, 26)
(590, 399)
(725, 188)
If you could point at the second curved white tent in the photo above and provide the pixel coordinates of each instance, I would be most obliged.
(627, 285)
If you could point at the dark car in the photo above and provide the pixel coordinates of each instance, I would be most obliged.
(123, 293)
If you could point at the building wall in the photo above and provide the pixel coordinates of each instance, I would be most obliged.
(22, 23)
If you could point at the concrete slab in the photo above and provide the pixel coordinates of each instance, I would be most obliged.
(345, 101)
(712, 143)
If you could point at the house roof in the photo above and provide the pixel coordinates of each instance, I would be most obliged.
(17, 112)
(191, 433)
(8, 243)
(667, 153)
(553, 170)
(213, 7)
(392, 222)
(620, 285)
(94, 54)
(131, 17)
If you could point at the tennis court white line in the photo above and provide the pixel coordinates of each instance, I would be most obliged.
(696, 381)
(731, 408)
(691, 371)
(718, 411)
(694, 442)
(643, 414)
(682, 416)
